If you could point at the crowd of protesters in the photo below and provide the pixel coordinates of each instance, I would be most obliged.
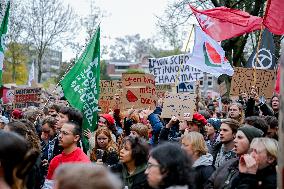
(227, 145)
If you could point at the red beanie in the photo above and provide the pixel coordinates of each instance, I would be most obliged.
(17, 114)
(199, 119)
(109, 118)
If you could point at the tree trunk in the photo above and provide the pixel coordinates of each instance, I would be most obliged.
(39, 65)
(14, 71)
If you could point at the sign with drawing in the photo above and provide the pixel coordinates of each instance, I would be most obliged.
(186, 87)
(139, 91)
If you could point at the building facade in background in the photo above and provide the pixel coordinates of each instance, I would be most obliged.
(51, 65)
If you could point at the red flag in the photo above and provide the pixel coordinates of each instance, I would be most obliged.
(274, 16)
(224, 23)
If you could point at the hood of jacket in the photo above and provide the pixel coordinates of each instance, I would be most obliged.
(205, 160)
(137, 171)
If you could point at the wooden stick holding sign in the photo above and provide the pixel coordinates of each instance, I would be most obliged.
(257, 52)
(185, 51)
(197, 91)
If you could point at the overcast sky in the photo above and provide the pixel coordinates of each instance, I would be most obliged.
(125, 17)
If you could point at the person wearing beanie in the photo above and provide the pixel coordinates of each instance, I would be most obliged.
(226, 175)
(212, 132)
(17, 114)
(197, 123)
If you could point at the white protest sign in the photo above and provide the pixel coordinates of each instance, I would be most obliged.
(166, 69)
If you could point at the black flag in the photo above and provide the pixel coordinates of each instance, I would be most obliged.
(266, 58)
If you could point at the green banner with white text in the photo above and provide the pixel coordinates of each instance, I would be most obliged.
(81, 83)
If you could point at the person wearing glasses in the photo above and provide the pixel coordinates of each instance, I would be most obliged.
(133, 162)
(169, 166)
(69, 136)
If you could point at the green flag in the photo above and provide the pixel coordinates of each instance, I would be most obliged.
(3, 31)
(81, 83)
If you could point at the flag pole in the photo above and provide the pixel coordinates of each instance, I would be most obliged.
(185, 51)
(256, 55)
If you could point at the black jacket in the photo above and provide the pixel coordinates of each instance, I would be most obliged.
(202, 174)
(224, 176)
(263, 179)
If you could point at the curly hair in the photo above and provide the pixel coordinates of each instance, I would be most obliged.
(23, 130)
(175, 165)
(111, 144)
(139, 148)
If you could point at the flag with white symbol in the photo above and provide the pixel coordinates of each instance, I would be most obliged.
(266, 57)
(223, 23)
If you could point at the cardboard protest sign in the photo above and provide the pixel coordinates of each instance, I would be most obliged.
(109, 95)
(223, 88)
(181, 105)
(186, 87)
(243, 80)
(166, 69)
(26, 97)
(162, 89)
(139, 91)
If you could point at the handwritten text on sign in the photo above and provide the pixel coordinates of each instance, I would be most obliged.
(243, 79)
(108, 90)
(162, 89)
(166, 69)
(181, 105)
(138, 90)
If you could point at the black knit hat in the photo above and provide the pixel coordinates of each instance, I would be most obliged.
(251, 132)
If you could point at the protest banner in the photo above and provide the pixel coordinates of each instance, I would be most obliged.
(162, 89)
(108, 91)
(222, 88)
(181, 105)
(243, 79)
(166, 69)
(26, 97)
(139, 91)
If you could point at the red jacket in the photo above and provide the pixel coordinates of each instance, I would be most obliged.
(76, 156)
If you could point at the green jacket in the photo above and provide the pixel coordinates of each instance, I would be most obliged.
(137, 180)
